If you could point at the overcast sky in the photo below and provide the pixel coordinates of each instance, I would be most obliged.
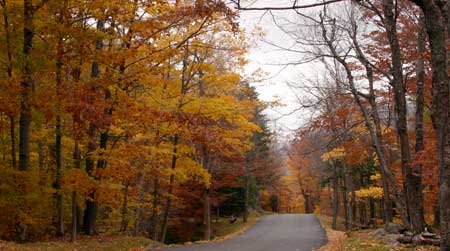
(272, 60)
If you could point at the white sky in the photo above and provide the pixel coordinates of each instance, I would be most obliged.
(264, 56)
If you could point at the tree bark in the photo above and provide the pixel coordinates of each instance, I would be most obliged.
(124, 223)
(26, 87)
(412, 181)
(58, 125)
(90, 213)
(9, 71)
(417, 212)
(12, 128)
(207, 215)
(170, 191)
(437, 20)
(75, 209)
(153, 231)
(246, 191)
(206, 199)
(335, 195)
(374, 130)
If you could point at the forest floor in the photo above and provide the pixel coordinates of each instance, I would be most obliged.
(361, 240)
(222, 229)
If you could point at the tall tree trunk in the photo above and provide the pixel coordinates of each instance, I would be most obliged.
(335, 195)
(412, 181)
(75, 209)
(153, 231)
(124, 223)
(9, 70)
(73, 235)
(12, 127)
(58, 125)
(206, 199)
(349, 191)
(90, 213)
(417, 212)
(436, 25)
(246, 191)
(372, 211)
(26, 87)
(170, 192)
(345, 199)
(141, 198)
(374, 127)
(207, 215)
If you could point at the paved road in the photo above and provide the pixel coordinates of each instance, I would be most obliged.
(285, 232)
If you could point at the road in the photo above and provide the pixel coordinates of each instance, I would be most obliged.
(283, 232)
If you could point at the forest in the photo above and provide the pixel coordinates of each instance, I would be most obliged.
(140, 118)
(126, 116)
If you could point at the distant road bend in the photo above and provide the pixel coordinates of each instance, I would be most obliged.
(283, 232)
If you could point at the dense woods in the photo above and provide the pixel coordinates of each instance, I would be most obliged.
(127, 116)
(137, 117)
(375, 147)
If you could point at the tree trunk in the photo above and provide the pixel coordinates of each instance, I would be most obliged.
(335, 195)
(375, 128)
(207, 215)
(26, 88)
(141, 199)
(412, 181)
(90, 213)
(75, 219)
(73, 236)
(436, 29)
(349, 190)
(246, 191)
(124, 223)
(9, 72)
(12, 128)
(372, 211)
(345, 199)
(170, 192)
(417, 212)
(153, 231)
(206, 199)
(58, 127)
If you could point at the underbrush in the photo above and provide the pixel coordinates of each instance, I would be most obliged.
(361, 240)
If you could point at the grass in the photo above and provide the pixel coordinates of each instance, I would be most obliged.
(97, 243)
(360, 241)
(222, 230)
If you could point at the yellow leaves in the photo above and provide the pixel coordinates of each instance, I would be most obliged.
(375, 177)
(336, 153)
(78, 180)
(189, 169)
(371, 192)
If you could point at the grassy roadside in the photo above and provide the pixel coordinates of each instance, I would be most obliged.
(97, 243)
(360, 241)
(222, 230)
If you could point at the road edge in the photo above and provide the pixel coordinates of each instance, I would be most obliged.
(336, 239)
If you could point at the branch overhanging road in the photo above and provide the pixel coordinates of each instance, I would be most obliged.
(283, 232)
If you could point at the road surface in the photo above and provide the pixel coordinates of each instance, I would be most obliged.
(283, 232)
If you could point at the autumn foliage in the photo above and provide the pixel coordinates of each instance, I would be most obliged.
(125, 116)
